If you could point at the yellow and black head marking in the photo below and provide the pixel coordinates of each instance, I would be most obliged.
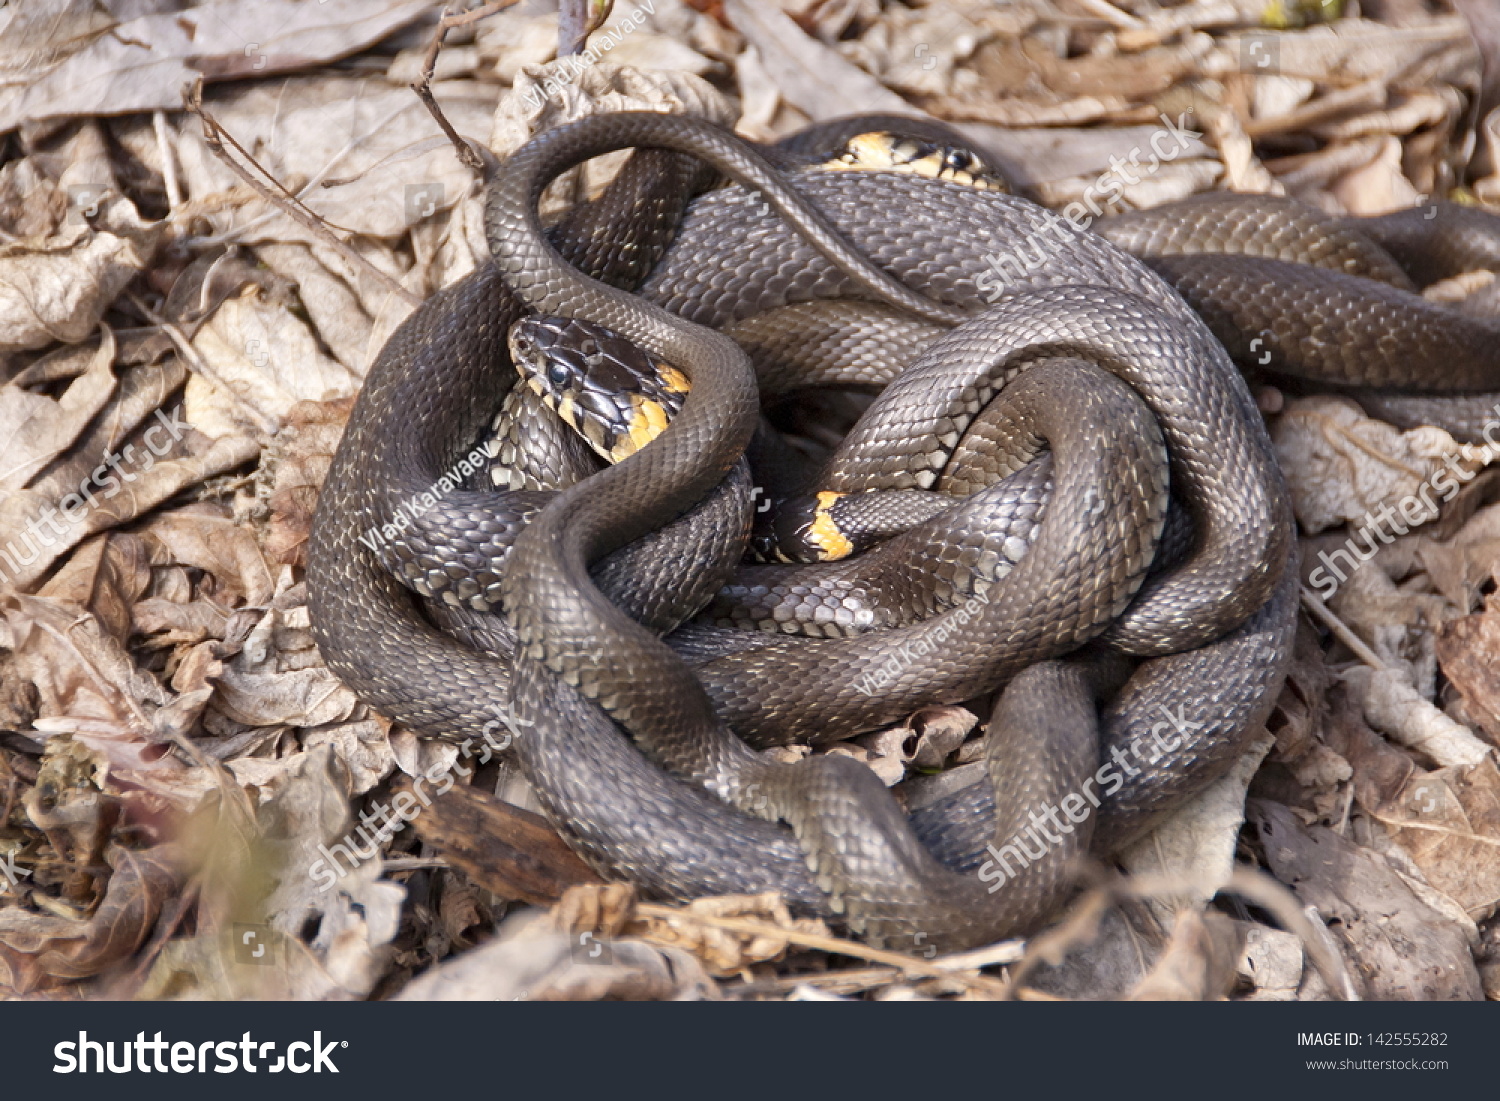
(609, 390)
(813, 528)
(882, 151)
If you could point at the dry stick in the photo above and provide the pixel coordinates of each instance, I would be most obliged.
(168, 161)
(1372, 93)
(214, 137)
(423, 84)
(1103, 9)
(910, 964)
(1341, 630)
(1080, 927)
(576, 20)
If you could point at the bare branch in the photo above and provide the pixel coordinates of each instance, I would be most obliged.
(214, 136)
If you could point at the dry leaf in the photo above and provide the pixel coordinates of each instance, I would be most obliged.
(39, 428)
(725, 952)
(37, 947)
(528, 961)
(143, 64)
(59, 289)
(1198, 964)
(1342, 466)
(1403, 948)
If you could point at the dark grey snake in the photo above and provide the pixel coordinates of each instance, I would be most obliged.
(589, 690)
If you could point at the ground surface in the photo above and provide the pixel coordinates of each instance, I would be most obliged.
(178, 770)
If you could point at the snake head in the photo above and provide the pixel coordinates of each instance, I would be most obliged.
(604, 386)
(881, 151)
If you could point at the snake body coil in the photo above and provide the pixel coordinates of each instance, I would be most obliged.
(1090, 356)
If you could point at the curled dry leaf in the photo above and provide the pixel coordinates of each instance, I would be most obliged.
(1341, 465)
(38, 948)
(204, 537)
(727, 952)
(1395, 708)
(58, 289)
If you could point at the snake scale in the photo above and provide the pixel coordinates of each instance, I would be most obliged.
(1097, 380)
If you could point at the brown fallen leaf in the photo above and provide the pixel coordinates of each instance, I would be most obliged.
(86, 679)
(301, 455)
(530, 961)
(38, 428)
(810, 76)
(59, 289)
(106, 576)
(142, 64)
(36, 949)
(1402, 948)
(1468, 649)
(205, 536)
(1448, 820)
(1198, 964)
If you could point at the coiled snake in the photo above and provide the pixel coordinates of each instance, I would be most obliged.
(644, 763)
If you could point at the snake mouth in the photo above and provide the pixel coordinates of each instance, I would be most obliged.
(882, 151)
(608, 389)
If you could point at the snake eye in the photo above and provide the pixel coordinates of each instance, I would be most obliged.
(557, 374)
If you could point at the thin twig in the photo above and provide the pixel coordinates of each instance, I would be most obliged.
(467, 155)
(1341, 630)
(214, 136)
(1110, 14)
(266, 425)
(168, 161)
(1278, 900)
(576, 20)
